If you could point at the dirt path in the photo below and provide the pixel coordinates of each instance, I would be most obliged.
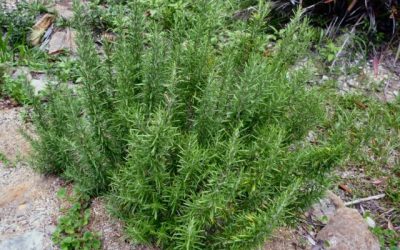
(28, 203)
(29, 207)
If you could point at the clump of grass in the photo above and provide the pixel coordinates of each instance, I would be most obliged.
(194, 131)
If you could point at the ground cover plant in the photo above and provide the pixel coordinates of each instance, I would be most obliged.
(72, 232)
(191, 125)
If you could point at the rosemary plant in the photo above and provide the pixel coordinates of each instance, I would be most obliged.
(195, 130)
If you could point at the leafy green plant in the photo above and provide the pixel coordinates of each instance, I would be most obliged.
(329, 51)
(104, 16)
(18, 22)
(388, 238)
(4, 160)
(18, 89)
(71, 232)
(66, 69)
(197, 135)
(5, 54)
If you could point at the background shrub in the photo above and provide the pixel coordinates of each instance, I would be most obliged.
(379, 15)
(16, 23)
(193, 126)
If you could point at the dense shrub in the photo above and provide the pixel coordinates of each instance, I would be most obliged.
(16, 23)
(196, 129)
(378, 17)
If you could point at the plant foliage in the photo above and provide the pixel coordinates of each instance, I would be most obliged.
(71, 232)
(191, 124)
(17, 22)
(378, 15)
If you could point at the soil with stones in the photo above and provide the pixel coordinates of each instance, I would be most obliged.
(29, 207)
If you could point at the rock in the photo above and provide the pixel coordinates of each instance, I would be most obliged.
(371, 223)
(40, 27)
(22, 72)
(63, 40)
(347, 230)
(325, 208)
(39, 83)
(32, 240)
(335, 199)
(64, 10)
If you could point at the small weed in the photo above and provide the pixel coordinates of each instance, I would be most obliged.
(34, 58)
(18, 89)
(66, 70)
(387, 238)
(393, 188)
(329, 52)
(72, 232)
(4, 160)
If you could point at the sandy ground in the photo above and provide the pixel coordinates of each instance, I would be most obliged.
(29, 207)
(28, 203)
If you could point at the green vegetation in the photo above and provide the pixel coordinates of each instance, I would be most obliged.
(377, 17)
(18, 22)
(17, 89)
(71, 232)
(4, 160)
(180, 174)
(388, 238)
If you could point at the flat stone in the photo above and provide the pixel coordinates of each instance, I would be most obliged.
(64, 11)
(347, 230)
(39, 83)
(40, 27)
(326, 208)
(22, 72)
(63, 40)
(32, 240)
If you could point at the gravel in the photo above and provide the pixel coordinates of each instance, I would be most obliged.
(29, 207)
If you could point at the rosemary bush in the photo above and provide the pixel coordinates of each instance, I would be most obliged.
(195, 130)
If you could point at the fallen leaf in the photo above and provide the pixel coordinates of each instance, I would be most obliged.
(376, 65)
(361, 105)
(377, 182)
(345, 188)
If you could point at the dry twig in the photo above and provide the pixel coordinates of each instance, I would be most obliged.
(375, 197)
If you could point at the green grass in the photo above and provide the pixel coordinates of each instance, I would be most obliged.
(371, 129)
